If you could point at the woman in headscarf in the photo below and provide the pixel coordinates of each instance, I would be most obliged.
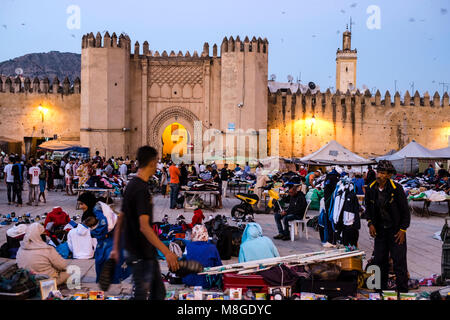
(201, 251)
(38, 257)
(254, 246)
(103, 232)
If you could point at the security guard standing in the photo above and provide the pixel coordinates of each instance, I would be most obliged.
(388, 218)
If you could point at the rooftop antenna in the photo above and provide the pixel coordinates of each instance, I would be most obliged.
(350, 24)
(444, 85)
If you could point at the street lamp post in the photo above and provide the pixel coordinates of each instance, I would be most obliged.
(43, 111)
(313, 122)
(240, 106)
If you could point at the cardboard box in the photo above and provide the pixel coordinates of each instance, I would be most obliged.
(390, 295)
(260, 296)
(82, 296)
(285, 290)
(307, 296)
(408, 296)
(235, 293)
(96, 295)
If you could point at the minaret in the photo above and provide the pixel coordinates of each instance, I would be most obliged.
(346, 64)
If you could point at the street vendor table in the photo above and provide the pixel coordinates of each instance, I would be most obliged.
(80, 191)
(204, 195)
(236, 186)
(426, 205)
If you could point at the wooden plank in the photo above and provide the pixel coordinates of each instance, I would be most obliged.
(300, 259)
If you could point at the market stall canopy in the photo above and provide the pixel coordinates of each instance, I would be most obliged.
(59, 145)
(8, 140)
(443, 153)
(413, 150)
(334, 153)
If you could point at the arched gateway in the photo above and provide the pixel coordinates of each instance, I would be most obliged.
(167, 117)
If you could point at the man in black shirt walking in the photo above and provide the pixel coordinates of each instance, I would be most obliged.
(388, 218)
(224, 176)
(141, 242)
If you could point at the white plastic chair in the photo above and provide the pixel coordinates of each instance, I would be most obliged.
(295, 224)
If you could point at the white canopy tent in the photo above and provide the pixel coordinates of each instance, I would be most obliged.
(334, 153)
(407, 159)
(413, 150)
(443, 153)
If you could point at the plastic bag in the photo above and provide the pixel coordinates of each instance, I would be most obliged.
(110, 215)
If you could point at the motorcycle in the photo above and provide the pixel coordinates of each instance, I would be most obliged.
(244, 211)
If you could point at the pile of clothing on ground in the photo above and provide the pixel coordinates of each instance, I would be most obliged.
(57, 224)
(423, 193)
(422, 187)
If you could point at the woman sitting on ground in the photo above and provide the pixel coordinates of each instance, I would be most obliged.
(103, 232)
(38, 257)
(254, 246)
(201, 251)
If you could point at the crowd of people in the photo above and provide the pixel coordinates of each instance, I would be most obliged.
(66, 174)
(130, 237)
(173, 177)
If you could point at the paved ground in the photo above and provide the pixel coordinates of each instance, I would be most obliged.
(424, 252)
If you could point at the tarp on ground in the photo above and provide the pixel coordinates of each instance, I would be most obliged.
(60, 145)
(333, 153)
(413, 150)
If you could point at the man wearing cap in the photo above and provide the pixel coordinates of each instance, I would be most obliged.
(295, 211)
(388, 219)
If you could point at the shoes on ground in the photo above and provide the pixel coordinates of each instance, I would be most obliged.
(328, 245)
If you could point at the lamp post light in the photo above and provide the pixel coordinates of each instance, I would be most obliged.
(43, 111)
(313, 122)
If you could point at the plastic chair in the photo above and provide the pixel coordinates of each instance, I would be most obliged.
(294, 224)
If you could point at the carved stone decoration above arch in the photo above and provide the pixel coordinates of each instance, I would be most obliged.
(198, 91)
(155, 91)
(166, 91)
(187, 91)
(166, 117)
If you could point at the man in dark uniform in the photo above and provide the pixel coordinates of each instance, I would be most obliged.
(388, 218)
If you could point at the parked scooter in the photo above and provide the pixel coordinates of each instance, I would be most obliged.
(244, 211)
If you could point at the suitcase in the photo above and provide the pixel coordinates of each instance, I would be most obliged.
(256, 283)
(350, 264)
(332, 289)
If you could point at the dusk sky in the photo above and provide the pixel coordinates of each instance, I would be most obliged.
(412, 43)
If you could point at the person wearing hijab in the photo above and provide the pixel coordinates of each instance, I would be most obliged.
(254, 246)
(87, 202)
(203, 252)
(99, 230)
(38, 257)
